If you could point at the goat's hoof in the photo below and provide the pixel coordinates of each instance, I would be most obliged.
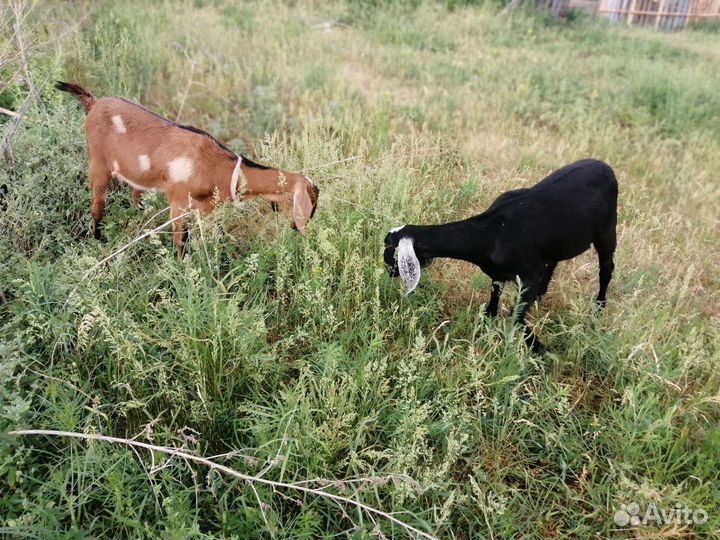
(600, 304)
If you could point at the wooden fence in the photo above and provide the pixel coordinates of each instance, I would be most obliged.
(665, 14)
(559, 8)
(556, 7)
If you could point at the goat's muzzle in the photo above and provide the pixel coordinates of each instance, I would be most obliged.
(314, 197)
(390, 262)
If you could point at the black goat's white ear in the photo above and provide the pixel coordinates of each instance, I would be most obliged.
(408, 265)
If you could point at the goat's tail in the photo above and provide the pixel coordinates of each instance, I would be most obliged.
(86, 99)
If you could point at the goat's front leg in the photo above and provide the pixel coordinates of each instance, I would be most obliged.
(528, 295)
(180, 231)
(492, 307)
(137, 196)
(549, 269)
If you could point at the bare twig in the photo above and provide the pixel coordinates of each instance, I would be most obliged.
(369, 480)
(149, 476)
(134, 241)
(9, 113)
(227, 470)
(283, 441)
(63, 381)
(407, 155)
(411, 155)
(262, 510)
(156, 214)
(330, 164)
(17, 10)
(188, 85)
(70, 30)
(14, 124)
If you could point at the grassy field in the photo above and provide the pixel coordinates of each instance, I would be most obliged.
(298, 360)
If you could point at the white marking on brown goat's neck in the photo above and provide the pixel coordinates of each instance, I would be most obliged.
(180, 169)
(117, 175)
(144, 162)
(119, 124)
(234, 180)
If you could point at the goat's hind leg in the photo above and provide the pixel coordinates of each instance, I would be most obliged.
(492, 307)
(178, 207)
(605, 247)
(136, 196)
(100, 178)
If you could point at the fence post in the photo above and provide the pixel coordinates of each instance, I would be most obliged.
(661, 9)
(694, 11)
(631, 13)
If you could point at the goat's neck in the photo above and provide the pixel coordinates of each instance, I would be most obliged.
(259, 182)
(457, 240)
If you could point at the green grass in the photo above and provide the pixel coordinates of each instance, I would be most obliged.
(300, 356)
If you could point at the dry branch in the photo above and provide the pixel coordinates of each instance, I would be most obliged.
(330, 164)
(134, 241)
(227, 470)
(17, 38)
(8, 112)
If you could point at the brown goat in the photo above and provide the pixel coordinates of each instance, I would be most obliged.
(128, 142)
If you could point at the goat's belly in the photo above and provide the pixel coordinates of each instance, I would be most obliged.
(563, 252)
(140, 186)
(132, 173)
(132, 184)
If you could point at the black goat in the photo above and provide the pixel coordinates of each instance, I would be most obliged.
(523, 234)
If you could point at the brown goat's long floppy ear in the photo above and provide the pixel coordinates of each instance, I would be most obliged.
(302, 206)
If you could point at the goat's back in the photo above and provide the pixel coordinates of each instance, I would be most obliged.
(118, 121)
(583, 174)
(560, 216)
(153, 152)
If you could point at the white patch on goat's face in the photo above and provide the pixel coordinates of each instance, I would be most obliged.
(408, 264)
(119, 124)
(144, 162)
(396, 229)
(180, 169)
